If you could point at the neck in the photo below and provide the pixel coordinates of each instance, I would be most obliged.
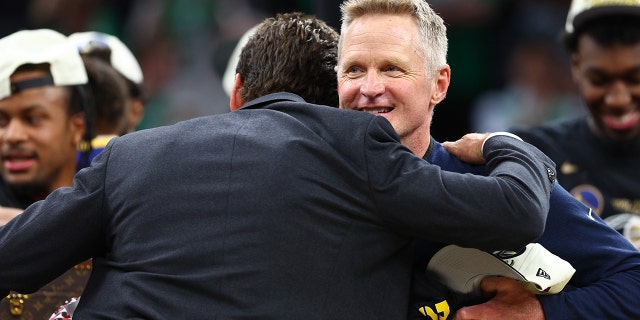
(419, 146)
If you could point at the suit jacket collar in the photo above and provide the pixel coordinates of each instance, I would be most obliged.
(263, 101)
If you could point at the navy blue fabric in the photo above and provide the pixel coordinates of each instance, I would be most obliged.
(606, 283)
(279, 210)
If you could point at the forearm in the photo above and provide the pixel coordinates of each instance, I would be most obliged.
(613, 298)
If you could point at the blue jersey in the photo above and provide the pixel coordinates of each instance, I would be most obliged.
(606, 284)
(84, 158)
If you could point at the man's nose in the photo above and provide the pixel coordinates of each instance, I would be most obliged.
(618, 94)
(373, 85)
(13, 132)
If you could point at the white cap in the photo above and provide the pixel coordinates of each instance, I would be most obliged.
(40, 46)
(122, 59)
(229, 76)
(537, 269)
(582, 10)
(631, 231)
(628, 224)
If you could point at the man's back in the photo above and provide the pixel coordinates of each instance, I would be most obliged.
(274, 234)
(280, 210)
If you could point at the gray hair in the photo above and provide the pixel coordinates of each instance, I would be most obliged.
(433, 32)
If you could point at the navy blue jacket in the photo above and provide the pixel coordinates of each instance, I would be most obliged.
(279, 210)
(606, 284)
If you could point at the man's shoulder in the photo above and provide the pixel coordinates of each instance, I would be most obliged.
(555, 131)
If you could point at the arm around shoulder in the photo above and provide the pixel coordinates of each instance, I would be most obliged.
(507, 153)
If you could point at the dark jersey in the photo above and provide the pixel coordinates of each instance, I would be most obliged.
(607, 279)
(603, 175)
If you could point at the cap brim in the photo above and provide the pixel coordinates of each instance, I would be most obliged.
(608, 10)
(462, 269)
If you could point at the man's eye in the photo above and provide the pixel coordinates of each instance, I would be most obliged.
(33, 119)
(632, 80)
(354, 70)
(598, 81)
(393, 71)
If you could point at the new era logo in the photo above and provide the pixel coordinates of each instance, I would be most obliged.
(542, 273)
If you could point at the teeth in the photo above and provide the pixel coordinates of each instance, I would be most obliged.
(377, 110)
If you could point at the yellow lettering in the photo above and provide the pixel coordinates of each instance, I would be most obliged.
(442, 309)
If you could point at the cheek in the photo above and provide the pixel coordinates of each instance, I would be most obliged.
(591, 94)
(348, 91)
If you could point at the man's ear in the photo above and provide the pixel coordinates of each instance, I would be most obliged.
(235, 100)
(77, 127)
(575, 68)
(441, 85)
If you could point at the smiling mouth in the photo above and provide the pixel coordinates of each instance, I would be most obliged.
(18, 164)
(622, 122)
(376, 110)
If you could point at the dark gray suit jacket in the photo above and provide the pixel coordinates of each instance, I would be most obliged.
(280, 210)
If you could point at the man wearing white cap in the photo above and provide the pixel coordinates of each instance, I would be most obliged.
(116, 53)
(597, 155)
(43, 118)
(116, 81)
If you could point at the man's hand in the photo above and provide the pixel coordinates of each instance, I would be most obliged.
(7, 214)
(468, 148)
(511, 301)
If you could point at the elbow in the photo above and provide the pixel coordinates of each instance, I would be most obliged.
(529, 227)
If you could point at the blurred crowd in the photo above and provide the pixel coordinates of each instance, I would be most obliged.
(507, 64)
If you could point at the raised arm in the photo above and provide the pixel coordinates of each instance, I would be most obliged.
(506, 209)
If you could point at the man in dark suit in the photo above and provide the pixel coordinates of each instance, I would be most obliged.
(281, 209)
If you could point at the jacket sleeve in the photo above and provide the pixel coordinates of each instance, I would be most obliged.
(54, 234)
(606, 284)
(506, 209)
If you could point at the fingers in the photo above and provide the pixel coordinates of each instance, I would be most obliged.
(468, 148)
(492, 285)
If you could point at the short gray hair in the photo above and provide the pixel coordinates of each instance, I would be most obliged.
(433, 32)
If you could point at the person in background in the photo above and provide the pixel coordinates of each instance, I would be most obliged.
(110, 100)
(112, 50)
(392, 63)
(45, 114)
(111, 66)
(598, 154)
(277, 210)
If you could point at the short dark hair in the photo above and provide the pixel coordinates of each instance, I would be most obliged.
(110, 95)
(606, 30)
(291, 52)
(134, 90)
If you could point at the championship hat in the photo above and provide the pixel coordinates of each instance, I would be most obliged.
(583, 10)
(534, 267)
(36, 47)
(628, 224)
(122, 59)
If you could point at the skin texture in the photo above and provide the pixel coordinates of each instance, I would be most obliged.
(609, 80)
(510, 301)
(378, 72)
(38, 138)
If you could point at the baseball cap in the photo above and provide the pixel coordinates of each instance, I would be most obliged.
(534, 267)
(40, 46)
(122, 59)
(583, 10)
(228, 78)
(628, 224)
